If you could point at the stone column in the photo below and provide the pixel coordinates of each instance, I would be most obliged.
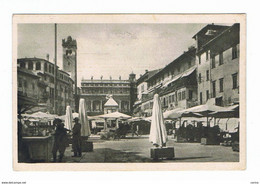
(101, 108)
(34, 65)
(42, 66)
(119, 106)
(105, 125)
(117, 123)
(91, 106)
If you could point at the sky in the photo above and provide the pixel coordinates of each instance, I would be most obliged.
(110, 49)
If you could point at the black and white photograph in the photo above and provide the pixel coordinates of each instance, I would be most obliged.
(162, 90)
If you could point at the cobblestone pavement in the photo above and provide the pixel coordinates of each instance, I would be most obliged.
(137, 149)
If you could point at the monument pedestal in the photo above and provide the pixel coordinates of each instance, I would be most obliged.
(164, 152)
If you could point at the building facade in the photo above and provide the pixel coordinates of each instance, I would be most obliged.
(175, 83)
(44, 70)
(96, 93)
(30, 90)
(218, 64)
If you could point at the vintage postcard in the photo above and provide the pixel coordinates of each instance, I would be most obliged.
(129, 92)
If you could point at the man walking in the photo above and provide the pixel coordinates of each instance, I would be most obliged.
(76, 139)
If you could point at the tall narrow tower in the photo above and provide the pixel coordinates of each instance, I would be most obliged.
(69, 56)
(70, 63)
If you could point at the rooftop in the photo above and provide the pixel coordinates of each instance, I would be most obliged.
(104, 81)
(111, 102)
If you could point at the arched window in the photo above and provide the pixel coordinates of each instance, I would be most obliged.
(96, 106)
(124, 105)
(30, 65)
(22, 65)
(45, 67)
(38, 66)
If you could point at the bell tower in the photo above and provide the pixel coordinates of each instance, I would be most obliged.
(70, 57)
(69, 62)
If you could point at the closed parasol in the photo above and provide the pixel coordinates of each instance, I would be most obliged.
(83, 119)
(158, 134)
(68, 118)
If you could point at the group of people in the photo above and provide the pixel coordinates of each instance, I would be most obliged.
(61, 139)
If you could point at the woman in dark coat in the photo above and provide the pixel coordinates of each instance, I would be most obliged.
(60, 140)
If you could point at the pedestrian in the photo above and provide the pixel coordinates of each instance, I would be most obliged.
(60, 140)
(76, 138)
(134, 129)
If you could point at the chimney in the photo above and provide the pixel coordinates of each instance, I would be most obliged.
(47, 57)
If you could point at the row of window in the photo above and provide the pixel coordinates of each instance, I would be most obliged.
(105, 91)
(24, 83)
(220, 57)
(173, 98)
(200, 77)
(47, 68)
(175, 71)
(99, 105)
(103, 84)
(221, 87)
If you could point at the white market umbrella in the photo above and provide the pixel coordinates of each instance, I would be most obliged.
(41, 115)
(172, 114)
(227, 112)
(133, 119)
(204, 110)
(83, 119)
(158, 134)
(68, 118)
(115, 115)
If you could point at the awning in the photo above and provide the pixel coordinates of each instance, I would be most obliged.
(182, 75)
(188, 72)
(172, 80)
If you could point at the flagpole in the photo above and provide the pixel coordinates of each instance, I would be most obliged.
(55, 68)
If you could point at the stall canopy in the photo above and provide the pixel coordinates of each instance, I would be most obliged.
(114, 115)
(228, 112)
(40, 115)
(134, 119)
(172, 114)
(204, 110)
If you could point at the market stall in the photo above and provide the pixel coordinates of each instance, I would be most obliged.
(36, 136)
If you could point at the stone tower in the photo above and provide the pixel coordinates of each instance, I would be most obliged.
(133, 90)
(70, 57)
